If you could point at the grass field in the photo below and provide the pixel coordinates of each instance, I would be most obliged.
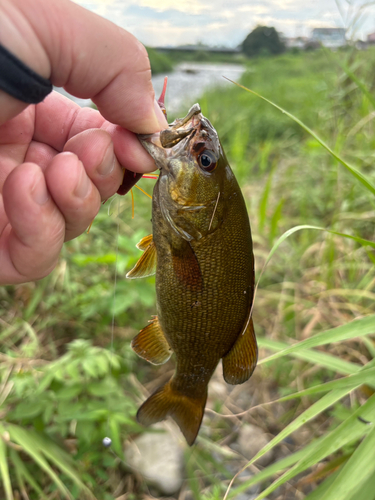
(62, 390)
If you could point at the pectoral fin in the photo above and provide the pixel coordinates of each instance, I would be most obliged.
(151, 345)
(145, 242)
(146, 266)
(186, 267)
(241, 360)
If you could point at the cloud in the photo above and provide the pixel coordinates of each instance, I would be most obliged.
(191, 7)
(253, 9)
(216, 22)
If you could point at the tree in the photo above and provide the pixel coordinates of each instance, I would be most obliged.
(262, 39)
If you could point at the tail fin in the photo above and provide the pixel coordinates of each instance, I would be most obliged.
(186, 411)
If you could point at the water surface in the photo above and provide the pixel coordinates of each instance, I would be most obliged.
(186, 84)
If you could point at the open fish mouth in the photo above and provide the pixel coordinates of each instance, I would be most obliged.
(182, 139)
(181, 128)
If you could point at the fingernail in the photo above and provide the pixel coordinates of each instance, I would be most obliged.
(39, 191)
(160, 116)
(108, 162)
(83, 186)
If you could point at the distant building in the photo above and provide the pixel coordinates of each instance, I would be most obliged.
(371, 38)
(329, 37)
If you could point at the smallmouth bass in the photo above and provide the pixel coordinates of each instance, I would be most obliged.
(201, 251)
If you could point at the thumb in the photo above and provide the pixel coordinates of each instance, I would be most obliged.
(87, 55)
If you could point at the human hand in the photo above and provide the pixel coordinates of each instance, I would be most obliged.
(58, 161)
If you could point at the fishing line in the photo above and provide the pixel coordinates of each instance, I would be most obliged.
(107, 441)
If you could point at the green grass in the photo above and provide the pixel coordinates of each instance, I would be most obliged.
(313, 310)
(160, 63)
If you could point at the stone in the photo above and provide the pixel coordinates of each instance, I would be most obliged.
(252, 439)
(159, 458)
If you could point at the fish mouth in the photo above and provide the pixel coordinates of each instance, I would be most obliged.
(181, 128)
(184, 139)
(160, 145)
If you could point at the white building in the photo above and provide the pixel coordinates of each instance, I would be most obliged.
(329, 37)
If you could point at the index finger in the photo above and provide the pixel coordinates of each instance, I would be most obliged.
(87, 55)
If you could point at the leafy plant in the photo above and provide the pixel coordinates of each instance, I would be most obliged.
(77, 399)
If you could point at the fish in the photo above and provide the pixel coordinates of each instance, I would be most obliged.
(201, 253)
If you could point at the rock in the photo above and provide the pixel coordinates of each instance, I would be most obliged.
(251, 439)
(159, 458)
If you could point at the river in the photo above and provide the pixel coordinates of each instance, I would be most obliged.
(186, 83)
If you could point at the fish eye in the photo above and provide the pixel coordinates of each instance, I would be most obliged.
(207, 161)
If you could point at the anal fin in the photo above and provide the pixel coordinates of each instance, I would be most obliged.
(240, 362)
(151, 345)
(146, 266)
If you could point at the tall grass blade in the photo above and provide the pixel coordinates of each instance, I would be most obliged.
(370, 344)
(63, 461)
(320, 358)
(330, 443)
(365, 491)
(357, 470)
(269, 471)
(23, 474)
(264, 202)
(358, 175)
(359, 83)
(314, 410)
(4, 470)
(294, 229)
(356, 432)
(365, 376)
(354, 329)
(322, 487)
(30, 445)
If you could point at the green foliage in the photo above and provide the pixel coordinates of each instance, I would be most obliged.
(263, 40)
(160, 63)
(74, 399)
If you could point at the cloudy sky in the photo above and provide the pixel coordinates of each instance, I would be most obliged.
(227, 22)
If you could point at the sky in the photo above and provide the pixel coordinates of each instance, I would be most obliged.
(227, 22)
